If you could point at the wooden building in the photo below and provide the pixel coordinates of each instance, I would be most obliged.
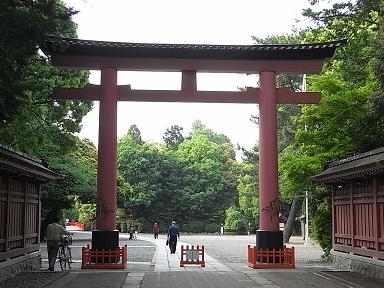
(357, 185)
(20, 183)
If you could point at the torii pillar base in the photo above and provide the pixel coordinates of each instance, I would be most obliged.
(104, 239)
(269, 239)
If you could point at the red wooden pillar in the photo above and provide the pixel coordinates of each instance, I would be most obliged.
(269, 236)
(106, 237)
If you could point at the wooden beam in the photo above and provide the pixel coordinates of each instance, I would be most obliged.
(88, 93)
(287, 96)
(300, 66)
(248, 96)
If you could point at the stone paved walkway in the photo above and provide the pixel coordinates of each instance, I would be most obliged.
(164, 271)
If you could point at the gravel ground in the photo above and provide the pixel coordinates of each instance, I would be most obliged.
(233, 249)
(31, 279)
(138, 250)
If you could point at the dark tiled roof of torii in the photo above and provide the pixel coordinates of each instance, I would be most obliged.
(72, 46)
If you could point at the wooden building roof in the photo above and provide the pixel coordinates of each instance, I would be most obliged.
(360, 165)
(16, 162)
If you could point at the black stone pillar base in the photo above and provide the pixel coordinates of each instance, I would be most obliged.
(269, 239)
(105, 239)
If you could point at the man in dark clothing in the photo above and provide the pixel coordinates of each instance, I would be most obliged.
(173, 234)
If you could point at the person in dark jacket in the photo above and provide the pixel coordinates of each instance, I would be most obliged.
(173, 235)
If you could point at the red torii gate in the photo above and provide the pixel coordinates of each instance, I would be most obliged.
(266, 60)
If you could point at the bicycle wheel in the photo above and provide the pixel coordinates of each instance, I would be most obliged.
(61, 257)
(69, 256)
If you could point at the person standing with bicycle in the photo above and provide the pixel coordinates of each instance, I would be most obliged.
(54, 232)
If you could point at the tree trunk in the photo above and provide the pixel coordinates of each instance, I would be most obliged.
(288, 227)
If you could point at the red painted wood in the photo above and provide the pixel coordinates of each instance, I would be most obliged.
(358, 225)
(107, 155)
(268, 182)
(200, 65)
(125, 93)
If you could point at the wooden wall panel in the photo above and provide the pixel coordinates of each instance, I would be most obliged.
(359, 217)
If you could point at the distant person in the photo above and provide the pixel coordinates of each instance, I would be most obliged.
(156, 230)
(130, 231)
(54, 232)
(173, 234)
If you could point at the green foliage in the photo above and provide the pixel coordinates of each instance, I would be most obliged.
(71, 214)
(235, 220)
(173, 136)
(322, 226)
(191, 183)
(135, 134)
(349, 118)
(248, 193)
(209, 178)
(200, 226)
(23, 28)
(87, 214)
(79, 180)
(198, 128)
(30, 120)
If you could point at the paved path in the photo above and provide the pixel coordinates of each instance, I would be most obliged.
(164, 272)
(165, 261)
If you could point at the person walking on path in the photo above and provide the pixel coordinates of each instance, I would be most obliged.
(54, 232)
(173, 235)
(130, 231)
(155, 230)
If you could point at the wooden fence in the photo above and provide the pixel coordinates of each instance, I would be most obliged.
(192, 255)
(270, 259)
(104, 259)
(19, 216)
(358, 216)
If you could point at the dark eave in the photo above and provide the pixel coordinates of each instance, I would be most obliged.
(96, 55)
(78, 47)
(361, 165)
(16, 162)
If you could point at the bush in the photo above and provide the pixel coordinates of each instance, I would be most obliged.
(87, 215)
(200, 227)
(235, 220)
(322, 225)
(71, 214)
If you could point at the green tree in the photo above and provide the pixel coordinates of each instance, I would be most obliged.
(23, 29)
(199, 128)
(78, 184)
(347, 119)
(210, 183)
(135, 134)
(173, 136)
(235, 220)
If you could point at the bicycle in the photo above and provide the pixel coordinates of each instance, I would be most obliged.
(65, 254)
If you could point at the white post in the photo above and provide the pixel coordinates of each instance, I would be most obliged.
(306, 228)
(306, 219)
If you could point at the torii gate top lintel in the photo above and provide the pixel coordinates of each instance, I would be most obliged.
(290, 58)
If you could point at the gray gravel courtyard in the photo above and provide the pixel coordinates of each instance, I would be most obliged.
(138, 250)
(232, 249)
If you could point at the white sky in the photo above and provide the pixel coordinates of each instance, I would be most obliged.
(182, 21)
